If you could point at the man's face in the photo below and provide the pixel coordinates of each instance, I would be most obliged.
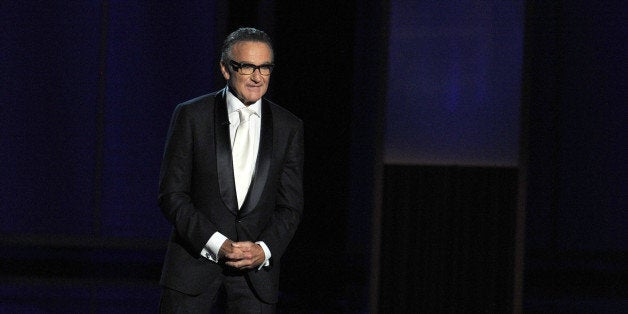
(248, 88)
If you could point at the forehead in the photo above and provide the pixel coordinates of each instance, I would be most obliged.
(251, 51)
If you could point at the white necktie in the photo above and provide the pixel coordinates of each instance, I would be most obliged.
(243, 159)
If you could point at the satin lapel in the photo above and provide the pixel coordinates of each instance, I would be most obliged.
(264, 158)
(223, 154)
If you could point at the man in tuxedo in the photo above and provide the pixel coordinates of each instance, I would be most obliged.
(231, 186)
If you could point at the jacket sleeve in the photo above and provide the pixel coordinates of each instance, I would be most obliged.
(289, 199)
(175, 178)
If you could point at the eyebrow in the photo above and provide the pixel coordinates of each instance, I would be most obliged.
(263, 64)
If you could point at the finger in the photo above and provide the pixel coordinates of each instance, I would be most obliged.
(235, 256)
(244, 244)
(241, 264)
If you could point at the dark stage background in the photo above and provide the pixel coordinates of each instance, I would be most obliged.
(460, 157)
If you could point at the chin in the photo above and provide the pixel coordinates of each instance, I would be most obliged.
(253, 98)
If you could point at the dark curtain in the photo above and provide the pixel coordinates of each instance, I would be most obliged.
(447, 239)
(574, 139)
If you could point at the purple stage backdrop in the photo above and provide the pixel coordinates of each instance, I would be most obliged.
(454, 81)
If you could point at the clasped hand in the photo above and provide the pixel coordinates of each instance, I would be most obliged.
(242, 255)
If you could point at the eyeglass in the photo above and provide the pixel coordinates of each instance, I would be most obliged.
(248, 69)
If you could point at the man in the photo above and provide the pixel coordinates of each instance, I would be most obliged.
(234, 207)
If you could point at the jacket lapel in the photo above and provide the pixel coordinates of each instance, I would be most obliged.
(264, 157)
(223, 153)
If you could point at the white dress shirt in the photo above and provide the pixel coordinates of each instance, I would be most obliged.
(212, 247)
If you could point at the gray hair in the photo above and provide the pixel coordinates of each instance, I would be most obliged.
(244, 34)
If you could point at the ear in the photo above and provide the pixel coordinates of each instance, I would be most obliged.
(224, 70)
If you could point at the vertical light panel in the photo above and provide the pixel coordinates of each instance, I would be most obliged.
(48, 96)
(454, 82)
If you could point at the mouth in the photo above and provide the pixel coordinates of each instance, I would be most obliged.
(254, 87)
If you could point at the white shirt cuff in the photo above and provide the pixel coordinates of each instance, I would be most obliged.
(266, 254)
(212, 247)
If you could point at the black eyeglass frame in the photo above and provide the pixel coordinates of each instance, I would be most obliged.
(239, 66)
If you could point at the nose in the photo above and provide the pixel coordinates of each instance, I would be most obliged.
(256, 75)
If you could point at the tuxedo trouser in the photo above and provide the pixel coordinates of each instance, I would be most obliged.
(233, 292)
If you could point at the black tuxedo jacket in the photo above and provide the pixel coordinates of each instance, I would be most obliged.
(197, 192)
